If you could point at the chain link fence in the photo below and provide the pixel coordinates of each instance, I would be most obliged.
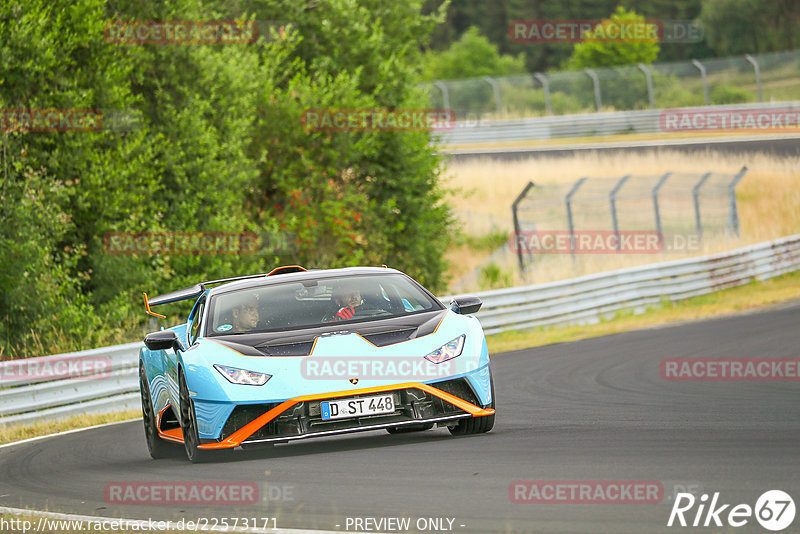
(741, 79)
(676, 209)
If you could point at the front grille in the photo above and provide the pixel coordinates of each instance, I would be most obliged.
(305, 417)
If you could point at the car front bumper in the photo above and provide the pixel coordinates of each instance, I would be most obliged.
(300, 417)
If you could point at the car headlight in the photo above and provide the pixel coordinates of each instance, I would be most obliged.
(448, 351)
(242, 376)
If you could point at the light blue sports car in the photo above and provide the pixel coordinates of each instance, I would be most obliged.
(296, 353)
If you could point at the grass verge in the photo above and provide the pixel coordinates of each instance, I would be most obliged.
(751, 296)
(627, 137)
(11, 433)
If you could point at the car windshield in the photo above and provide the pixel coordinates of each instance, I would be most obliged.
(318, 302)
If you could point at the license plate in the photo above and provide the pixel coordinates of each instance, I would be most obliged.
(339, 409)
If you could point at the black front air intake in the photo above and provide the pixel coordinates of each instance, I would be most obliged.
(305, 419)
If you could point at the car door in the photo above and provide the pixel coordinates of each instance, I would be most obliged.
(193, 331)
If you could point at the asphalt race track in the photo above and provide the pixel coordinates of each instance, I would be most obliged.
(590, 410)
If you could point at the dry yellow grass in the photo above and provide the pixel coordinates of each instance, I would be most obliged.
(768, 200)
(626, 137)
(11, 433)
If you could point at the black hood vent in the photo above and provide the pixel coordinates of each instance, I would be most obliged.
(382, 339)
(287, 349)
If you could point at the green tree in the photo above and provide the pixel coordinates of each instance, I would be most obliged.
(736, 27)
(53, 56)
(350, 197)
(473, 55)
(598, 50)
(219, 145)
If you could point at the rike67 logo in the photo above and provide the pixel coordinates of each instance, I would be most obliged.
(774, 510)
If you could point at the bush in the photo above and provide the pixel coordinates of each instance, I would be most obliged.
(472, 56)
(729, 94)
(595, 51)
(493, 277)
(219, 147)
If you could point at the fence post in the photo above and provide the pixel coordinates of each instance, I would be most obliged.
(596, 83)
(612, 197)
(568, 200)
(546, 86)
(703, 77)
(656, 210)
(517, 231)
(696, 195)
(733, 212)
(496, 89)
(757, 70)
(649, 79)
(445, 93)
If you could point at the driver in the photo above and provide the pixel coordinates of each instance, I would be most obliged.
(245, 313)
(347, 298)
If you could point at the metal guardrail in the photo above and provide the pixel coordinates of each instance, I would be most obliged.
(114, 387)
(583, 125)
(587, 299)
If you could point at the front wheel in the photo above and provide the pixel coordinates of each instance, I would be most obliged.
(191, 439)
(157, 447)
(476, 425)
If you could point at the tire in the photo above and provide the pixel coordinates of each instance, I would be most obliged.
(191, 439)
(476, 425)
(405, 429)
(158, 447)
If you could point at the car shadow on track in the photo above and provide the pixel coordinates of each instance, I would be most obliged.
(326, 445)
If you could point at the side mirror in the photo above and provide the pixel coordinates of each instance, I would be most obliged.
(466, 305)
(161, 340)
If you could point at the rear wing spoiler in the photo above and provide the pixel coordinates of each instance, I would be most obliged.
(196, 290)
